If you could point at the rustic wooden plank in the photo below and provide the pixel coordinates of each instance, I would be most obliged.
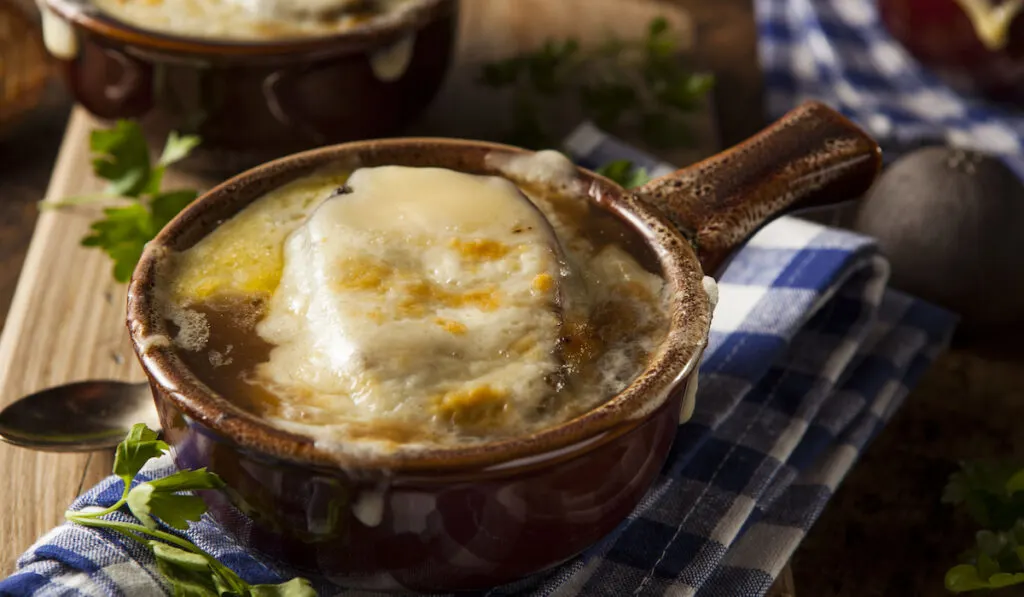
(59, 323)
(65, 323)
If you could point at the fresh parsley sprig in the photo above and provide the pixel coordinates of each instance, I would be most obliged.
(191, 571)
(635, 85)
(624, 172)
(993, 495)
(121, 157)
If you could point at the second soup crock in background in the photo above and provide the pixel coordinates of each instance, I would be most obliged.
(253, 101)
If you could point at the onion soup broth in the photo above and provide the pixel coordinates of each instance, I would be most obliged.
(398, 306)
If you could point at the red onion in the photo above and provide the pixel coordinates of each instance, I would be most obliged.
(975, 45)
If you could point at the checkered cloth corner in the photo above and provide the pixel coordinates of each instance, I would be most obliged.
(809, 356)
(838, 51)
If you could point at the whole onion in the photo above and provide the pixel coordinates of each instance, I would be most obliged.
(952, 224)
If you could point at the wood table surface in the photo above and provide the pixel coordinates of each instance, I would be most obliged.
(884, 533)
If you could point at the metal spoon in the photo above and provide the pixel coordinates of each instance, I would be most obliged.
(78, 417)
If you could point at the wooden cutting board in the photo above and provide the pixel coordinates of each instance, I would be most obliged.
(66, 318)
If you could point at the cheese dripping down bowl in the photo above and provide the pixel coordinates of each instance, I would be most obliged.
(254, 79)
(365, 432)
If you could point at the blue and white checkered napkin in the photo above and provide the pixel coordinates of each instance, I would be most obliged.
(838, 51)
(809, 357)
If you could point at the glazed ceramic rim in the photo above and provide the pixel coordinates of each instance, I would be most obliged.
(373, 33)
(676, 358)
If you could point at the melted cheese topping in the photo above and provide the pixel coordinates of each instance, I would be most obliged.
(415, 292)
(249, 19)
(407, 307)
(245, 256)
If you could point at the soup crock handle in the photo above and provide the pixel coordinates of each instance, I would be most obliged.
(811, 156)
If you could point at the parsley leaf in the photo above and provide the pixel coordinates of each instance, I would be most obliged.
(607, 102)
(993, 494)
(132, 454)
(124, 232)
(177, 148)
(188, 481)
(624, 173)
(684, 92)
(547, 66)
(160, 498)
(121, 157)
(173, 509)
(619, 85)
(985, 490)
(197, 573)
(502, 73)
(190, 571)
(296, 587)
(968, 578)
(657, 26)
(164, 206)
(122, 235)
(1015, 483)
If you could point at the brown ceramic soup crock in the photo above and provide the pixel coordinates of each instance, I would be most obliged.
(251, 101)
(483, 515)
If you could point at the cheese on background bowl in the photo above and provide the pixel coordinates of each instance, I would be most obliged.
(250, 19)
(415, 307)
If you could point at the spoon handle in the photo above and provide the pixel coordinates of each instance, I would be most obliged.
(811, 156)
